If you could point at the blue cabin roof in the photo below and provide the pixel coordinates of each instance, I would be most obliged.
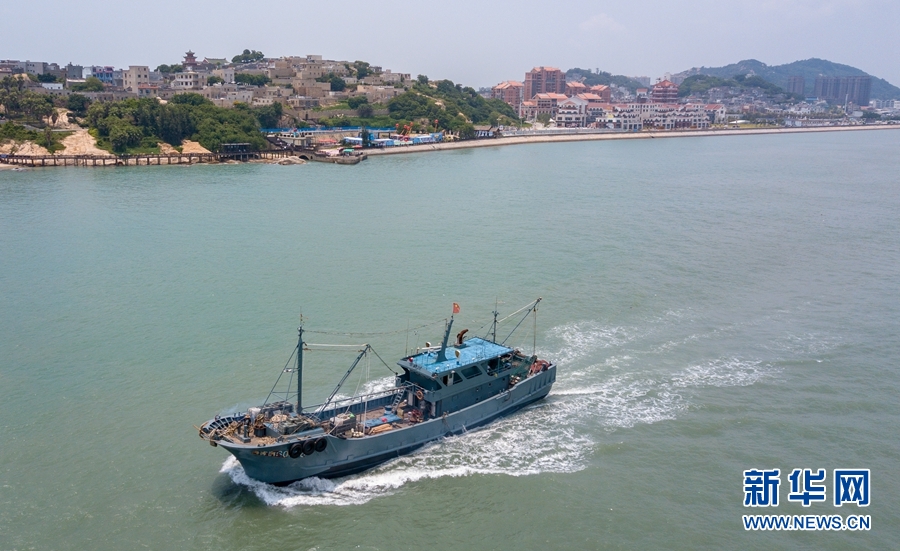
(471, 351)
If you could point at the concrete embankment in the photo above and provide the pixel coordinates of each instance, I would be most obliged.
(515, 140)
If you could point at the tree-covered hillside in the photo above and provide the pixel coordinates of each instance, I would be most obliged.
(453, 106)
(588, 78)
(809, 69)
(138, 124)
(701, 84)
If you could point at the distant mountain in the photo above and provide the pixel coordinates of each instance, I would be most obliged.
(809, 69)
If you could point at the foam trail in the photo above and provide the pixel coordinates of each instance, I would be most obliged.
(557, 434)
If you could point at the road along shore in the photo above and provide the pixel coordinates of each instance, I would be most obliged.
(515, 140)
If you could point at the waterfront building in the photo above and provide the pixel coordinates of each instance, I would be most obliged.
(544, 80)
(603, 91)
(664, 91)
(572, 112)
(575, 88)
(511, 92)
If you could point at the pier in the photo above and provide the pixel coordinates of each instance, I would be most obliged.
(140, 160)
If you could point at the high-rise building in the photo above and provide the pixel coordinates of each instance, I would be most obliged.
(842, 90)
(796, 85)
(510, 91)
(544, 80)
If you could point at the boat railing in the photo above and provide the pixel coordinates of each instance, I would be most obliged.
(343, 403)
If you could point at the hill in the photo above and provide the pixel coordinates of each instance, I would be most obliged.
(809, 69)
(590, 78)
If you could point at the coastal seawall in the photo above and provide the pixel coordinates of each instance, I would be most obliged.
(514, 140)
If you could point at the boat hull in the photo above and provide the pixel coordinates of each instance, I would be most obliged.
(342, 457)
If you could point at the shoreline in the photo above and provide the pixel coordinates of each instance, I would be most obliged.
(517, 140)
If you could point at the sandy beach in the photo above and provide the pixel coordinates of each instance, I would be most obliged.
(82, 143)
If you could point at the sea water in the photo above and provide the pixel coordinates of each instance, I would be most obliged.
(714, 305)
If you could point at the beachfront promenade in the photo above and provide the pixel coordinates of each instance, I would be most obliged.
(527, 137)
(519, 137)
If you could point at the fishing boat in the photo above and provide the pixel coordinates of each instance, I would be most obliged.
(439, 391)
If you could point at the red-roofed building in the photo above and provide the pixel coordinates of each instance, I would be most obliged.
(664, 92)
(716, 112)
(603, 91)
(575, 88)
(511, 91)
(543, 80)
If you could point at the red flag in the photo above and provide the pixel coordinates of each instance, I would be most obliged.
(455, 308)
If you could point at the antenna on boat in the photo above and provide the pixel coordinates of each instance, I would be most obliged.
(496, 313)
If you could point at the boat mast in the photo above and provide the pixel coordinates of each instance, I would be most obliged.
(494, 330)
(299, 369)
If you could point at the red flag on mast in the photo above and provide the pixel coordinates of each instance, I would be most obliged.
(455, 308)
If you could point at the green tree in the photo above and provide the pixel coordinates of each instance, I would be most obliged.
(422, 79)
(365, 111)
(268, 115)
(190, 98)
(251, 80)
(362, 69)
(544, 118)
(337, 83)
(356, 101)
(90, 84)
(124, 134)
(47, 77)
(214, 80)
(77, 104)
(248, 56)
(168, 69)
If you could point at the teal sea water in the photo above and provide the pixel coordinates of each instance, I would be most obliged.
(714, 305)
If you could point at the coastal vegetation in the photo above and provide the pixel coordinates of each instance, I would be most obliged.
(168, 69)
(90, 84)
(22, 104)
(52, 141)
(251, 79)
(137, 125)
(337, 83)
(248, 56)
(443, 105)
(590, 78)
(701, 84)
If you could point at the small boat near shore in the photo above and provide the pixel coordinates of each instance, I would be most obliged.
(440, 391)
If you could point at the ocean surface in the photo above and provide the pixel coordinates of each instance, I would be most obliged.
(714, 305)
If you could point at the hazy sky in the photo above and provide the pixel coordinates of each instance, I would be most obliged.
(475, 43)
